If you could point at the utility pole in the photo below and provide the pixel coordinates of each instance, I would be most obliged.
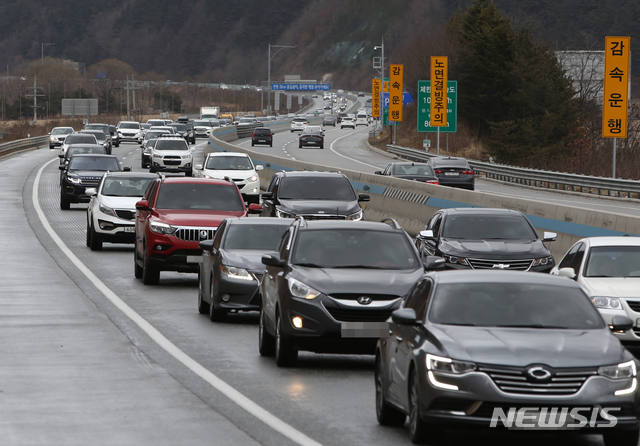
(44, 45)
(128, 116)
(35, 100)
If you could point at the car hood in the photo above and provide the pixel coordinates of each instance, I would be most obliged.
(373, 281)
(495, 249)
(612, 286)
(329, 207)
(245, 258)
(197, 218)
(233, 174)
(172, 152)
(522, 347)
(87, 173)
(120, 202)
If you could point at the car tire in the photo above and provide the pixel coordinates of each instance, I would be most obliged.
(65, 204)
(203, 306)
(95, 244)
(322, 146)
(299, 146)
(188, 173)
(622, 438)
(271, 144)
(88, 234)
(152, 170)
(266, 342)
(286, 353)
(419, 431)
(142, 164)
(150, 274)
(116, 144)
(215, 314)
(387, 415)
(252, 144)
(137, 269)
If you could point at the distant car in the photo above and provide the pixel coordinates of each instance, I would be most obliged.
(129, 131)
(329, 120)
(57, 136)
(238, 167)
(362, 119)
(106, 129)
(361, 94)
(224, 87)
(410, 171)
(147, 144)
(454, 172)
(202, 128)
(171, 153)
(156, 122)
(101, 137)
(340, 116)
(348, 121)
(77, 149)
(311, 136)
(77, 138)
(298, 124)
(262, 135)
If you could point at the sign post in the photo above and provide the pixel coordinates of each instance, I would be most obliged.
(616, 90)
(424, 108)
(439, 74)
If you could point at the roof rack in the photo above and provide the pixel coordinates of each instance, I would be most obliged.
(391, 222)
(300, 220)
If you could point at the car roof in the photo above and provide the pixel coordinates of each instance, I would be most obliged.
(260, 221)
(441, 160)
(481, 211)
(347, 224)
(94, 155)
(192, 180)
(309, 173)
(133, 175)
(488, 276)
(613, 241)
(227, 154)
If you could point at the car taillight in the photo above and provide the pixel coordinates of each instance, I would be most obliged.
(433, 181)
(467, 172)
(253, 135)
(438, 171)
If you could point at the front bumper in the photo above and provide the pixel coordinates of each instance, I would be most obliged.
(243, 295)
(113, 229)
(169, 253)
(131, 137)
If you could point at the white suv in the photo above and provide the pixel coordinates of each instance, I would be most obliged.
(298, 124)
(362, 119)
(129, 131)
(238, 167)
(171, 154)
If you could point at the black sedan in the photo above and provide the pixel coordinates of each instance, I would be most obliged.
(311, 136)
(486, 238)
(454, 172)
(231, 267)
(411, 171)
(495, 350)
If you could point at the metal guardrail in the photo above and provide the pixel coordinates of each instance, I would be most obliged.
(537, 178)
(22, 144)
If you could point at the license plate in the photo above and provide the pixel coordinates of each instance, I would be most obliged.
(364, 329)
(637, 322)
(262, 140)
(130, 229)
(451, 174)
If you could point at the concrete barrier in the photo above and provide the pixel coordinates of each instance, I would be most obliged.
(412, 204)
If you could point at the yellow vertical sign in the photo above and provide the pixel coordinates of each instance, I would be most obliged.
(386, 86)
(376, 86)
(616, 87)
(439, 79)
(395, 92)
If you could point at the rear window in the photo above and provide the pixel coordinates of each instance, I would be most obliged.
(211, 197)
(263, 132)
(79, 139)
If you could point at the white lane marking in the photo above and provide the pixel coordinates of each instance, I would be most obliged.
(344, 156)
(254, 409)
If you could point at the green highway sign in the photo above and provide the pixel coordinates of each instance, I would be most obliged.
(424, 105)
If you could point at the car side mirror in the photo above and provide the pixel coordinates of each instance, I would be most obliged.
(405, 316)
(255, 208)
(90, 191)
(549, 237)
(142, 205)
(434, 263)
(259, 167)
(126, 169)
(62, 166)
(620, 323)
(426, 234)
(567, 272)
(378, 172)
(198, 167)
(272, 259)
(206, 245)
(60, 155)
(364, 197)
(267, 196)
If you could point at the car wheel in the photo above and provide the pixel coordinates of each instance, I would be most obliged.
(117, 144)
(215, 314)
(387, 415)
(322, 146)
(266, 342)
(137, 269)
(203, 306)
(142, 164)
(299, 146)
(65, 204)
(95, 243)
(622, 438)
(188, 173)
(286, 354)
(271, 144)
(152, 170)
(150, 274)
(419, 431)
(252, 144)
(88, 234)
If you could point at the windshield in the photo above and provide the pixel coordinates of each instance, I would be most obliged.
(61, 131)
(171, 144)
(155, 122)
(202, 123)
(212, 197)
(75, 150)
(79, 139)
(485, 227)
(245, 120)
(613, 261)
(258, 237)
(179, 127)
(354, 248)
(125, 187)
(208, 116)
(229, 163)
(412, 169)
(94, 163)
(513, 305)
(129, 125)
(316, 188)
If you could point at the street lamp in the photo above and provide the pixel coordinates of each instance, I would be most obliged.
(282, 47)
(44, 45)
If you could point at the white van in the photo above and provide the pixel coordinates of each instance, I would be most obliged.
(361, 119)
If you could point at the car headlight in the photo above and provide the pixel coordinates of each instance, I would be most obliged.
(52, 138)
(253, 178)
(186, 157)
(162, 228)
(299, 289)
(236, 273)
(609, 303)
(75, 180)
(356, 217)
(619, 371)
(441, 364)
(281, 214)
(107, 210)
(543, 261)
(456, 260)
(156, 155)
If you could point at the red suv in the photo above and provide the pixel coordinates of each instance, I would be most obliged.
(175, 215)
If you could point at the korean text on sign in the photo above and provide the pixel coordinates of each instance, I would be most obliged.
(439, 79)
(616, 87)
(376, 86)
(395, 92)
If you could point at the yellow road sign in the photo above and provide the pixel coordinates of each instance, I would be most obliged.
(395, 92)
(376, 85)
(439, 78)
(616, 87)
(386, 86)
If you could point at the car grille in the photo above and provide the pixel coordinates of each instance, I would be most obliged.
(514, 380)
(195, 234)
(324, 217)
(125, 214)
(634, 305)
(513, 265)
(172, 160)
(90, 181)
(359, 315)
(355, 296)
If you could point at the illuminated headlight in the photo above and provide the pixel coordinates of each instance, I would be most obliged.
(281, 214)
(624, 370)
(299, 289)
(610, 303)
(456, 260)
(441, 364)
(236, 273)
(75, 180)
(357, 216)
(543, 261)
(253, 178)
(52, 138)
(107, 210)
(186, 157)
(162, 228)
